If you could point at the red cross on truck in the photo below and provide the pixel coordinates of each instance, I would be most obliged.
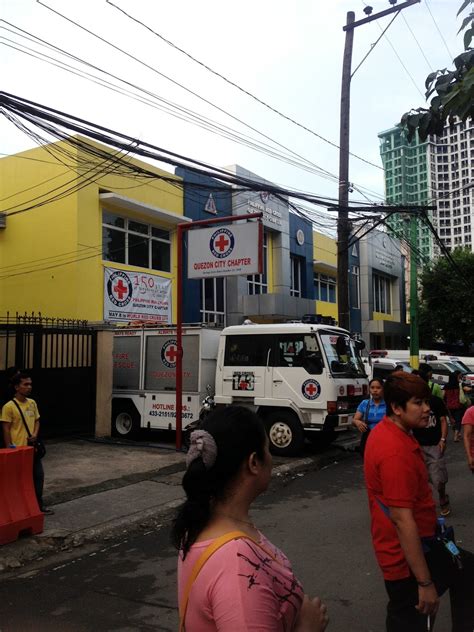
(171, 354)
(311, 389)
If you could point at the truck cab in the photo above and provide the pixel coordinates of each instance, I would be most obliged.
(301, 379)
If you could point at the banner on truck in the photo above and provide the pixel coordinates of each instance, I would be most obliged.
(223, 251)
(136, 296)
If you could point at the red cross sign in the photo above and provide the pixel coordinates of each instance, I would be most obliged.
(120, 289)
(221, 243)
(171, 354)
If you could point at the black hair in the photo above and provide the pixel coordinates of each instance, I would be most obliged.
(238, 432)
(376, 379)
(18, 378)
(401, 386)
(453, 382)
(425, 368)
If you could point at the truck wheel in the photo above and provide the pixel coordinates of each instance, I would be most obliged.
(285, 433)
(125, 419)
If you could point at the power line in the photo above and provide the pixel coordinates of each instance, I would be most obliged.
(402, 64)
(417, 42)
(235, 85)
(427, 5)
(173, 81)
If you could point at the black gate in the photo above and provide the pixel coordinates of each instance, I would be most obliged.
(60, 357)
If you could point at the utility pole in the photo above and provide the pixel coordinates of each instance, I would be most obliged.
(343, 227)
(414, 343)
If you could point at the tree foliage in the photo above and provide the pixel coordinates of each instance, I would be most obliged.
(447, 304)
(451, 91)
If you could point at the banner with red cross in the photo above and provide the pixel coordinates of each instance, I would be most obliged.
(136, 296)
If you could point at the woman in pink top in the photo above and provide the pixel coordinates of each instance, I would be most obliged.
(247, 584)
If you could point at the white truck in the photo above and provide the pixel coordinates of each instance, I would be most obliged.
(301, 379)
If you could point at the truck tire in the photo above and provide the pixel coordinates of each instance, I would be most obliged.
(125, 419)
(285, 433)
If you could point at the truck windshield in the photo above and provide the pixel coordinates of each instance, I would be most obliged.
(342, 355)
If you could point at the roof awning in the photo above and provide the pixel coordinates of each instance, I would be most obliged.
(324, 266)
(153, 212)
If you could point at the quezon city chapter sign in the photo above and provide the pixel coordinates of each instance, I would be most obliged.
(225, 250)
(136, 296)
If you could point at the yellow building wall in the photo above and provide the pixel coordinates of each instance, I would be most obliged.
(381, 316)
(51, 256)
(325, 251)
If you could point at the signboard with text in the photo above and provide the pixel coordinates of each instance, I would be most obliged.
(136, 296)
(223, 251)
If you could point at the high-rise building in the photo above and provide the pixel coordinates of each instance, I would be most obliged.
(437, 172)
(454, 165)
(409, 179)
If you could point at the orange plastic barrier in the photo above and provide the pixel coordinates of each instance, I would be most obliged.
(19, 511)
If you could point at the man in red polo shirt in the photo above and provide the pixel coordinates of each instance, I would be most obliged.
(416, 566)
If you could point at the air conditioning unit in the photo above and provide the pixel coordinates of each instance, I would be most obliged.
(3, 220)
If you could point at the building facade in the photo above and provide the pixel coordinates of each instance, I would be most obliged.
(284, 290)
(381, 291)
(437, 172)
(325, 274)
(78, 244)
(409, 179)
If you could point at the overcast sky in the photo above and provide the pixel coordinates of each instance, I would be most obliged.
(289, 54)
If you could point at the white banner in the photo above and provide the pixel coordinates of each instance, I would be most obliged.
(223, 251)
(136, 296)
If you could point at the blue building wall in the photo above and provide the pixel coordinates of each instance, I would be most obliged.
(305, 252)
(197, 192)
(355, 313)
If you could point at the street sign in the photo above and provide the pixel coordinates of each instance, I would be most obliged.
(222, 251)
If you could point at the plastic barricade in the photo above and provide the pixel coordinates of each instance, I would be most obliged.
(19, 510)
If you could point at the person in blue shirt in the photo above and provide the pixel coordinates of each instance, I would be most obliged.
(370, 412)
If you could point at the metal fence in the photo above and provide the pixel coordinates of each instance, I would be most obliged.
(60, 356)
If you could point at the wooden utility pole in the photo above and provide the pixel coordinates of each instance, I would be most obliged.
(343, 226)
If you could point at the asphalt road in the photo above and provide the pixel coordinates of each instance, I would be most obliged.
(319, 519)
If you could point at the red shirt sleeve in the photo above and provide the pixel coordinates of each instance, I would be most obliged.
(468, 418)
(399, 480)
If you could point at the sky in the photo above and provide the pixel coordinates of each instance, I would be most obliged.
(288, 54)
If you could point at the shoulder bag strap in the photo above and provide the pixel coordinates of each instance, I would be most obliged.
(22, 417)
(205, 555)
(366, 414)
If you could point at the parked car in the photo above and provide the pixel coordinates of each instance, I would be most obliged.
(382, 367)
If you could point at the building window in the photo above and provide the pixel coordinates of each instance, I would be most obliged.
(325, 287)
(355, 287)
(258, 283)
(296, 276)
(213, 301)
(135, 243)
(382, 294)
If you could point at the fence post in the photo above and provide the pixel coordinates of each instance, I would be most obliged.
(104, 372)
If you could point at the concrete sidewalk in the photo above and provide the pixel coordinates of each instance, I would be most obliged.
(99, 489)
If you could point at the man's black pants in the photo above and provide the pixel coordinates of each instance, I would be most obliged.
(402, 615)
(38, 480)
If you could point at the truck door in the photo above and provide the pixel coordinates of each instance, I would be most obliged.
(298, 371)
(245, 369)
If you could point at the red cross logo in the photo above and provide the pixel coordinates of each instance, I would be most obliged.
(311, 389)
(171, 354)
(221, 243)
(243, 386)
(120, 289)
